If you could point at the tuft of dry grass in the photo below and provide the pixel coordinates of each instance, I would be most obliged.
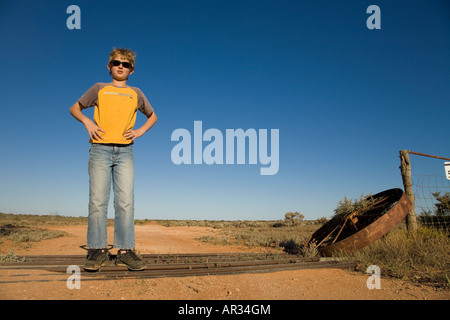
(23, 233)
(11, 257)
(34, 235)
(421, 256)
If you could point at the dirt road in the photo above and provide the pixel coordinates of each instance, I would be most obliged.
(321, 284)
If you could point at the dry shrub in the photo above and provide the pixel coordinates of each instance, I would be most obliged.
(421, 256)
(35, 235)
(347, 206)
(11, 257)
(26, 234)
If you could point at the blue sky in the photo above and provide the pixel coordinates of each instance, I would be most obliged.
(344, 98)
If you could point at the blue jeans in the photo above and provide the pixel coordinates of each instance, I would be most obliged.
(111, 163)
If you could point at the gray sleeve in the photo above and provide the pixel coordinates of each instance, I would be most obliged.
(143, 105)
(90, 98)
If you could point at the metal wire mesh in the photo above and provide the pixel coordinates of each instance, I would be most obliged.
(429, 184)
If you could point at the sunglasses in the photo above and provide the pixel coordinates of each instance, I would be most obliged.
(116, 63)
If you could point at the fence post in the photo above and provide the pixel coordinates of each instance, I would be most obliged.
(405, 168)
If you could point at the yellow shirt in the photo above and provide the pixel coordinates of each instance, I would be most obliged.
(115, 109)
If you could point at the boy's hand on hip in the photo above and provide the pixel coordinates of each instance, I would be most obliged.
(132, 134)
(95, 132)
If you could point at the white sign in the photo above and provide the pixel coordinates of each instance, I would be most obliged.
(447, 170)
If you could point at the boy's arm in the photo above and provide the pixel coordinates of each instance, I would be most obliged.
(133, 134)
(93, 130)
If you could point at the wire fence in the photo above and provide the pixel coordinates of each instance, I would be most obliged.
(431, 190)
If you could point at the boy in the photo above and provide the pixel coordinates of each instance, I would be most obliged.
(111, 159)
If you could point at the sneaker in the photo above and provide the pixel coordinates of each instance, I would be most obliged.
(130, 259)
(95, 259)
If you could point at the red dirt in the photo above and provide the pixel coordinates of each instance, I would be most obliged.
(321, 284)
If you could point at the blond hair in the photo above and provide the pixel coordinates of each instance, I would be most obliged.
(124, 53)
